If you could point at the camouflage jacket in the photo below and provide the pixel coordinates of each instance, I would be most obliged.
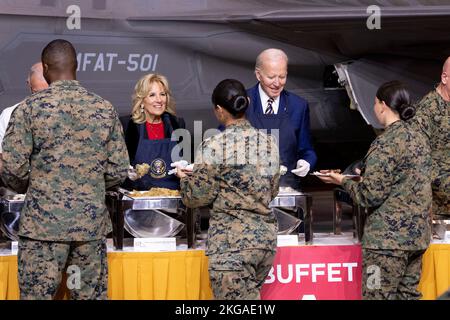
(66, 146)
(432, 118)
(237, 172)
(397, 186)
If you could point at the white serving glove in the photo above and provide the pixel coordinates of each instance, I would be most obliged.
(302, 168)
(179, 163)
(182, 164)
(132, 174)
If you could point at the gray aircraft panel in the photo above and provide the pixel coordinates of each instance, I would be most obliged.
(193, 64)
(366, 75)
(225, 9)
(198, 43)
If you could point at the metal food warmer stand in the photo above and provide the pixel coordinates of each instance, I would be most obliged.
(289, 208)
(10, 208)
(300, 205)
(120, 205)
(359, 213)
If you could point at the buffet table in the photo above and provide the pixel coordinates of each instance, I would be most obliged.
(435, 279)
(178, 275)
(326, 270)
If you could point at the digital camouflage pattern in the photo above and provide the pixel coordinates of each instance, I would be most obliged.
(239, 276)
(391, 274)
(445, 295)
(396, 184)
(433, 119)
(237, 172)
(41, 263)
(66, 146)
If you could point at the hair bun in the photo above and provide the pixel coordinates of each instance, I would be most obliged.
(231, 95)
(240, 103)
(406, 111)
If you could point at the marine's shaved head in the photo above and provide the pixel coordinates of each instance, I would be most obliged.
(444, 87)
(446, 67)
(59, 60)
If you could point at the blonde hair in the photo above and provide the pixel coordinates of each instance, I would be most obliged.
(142, 89)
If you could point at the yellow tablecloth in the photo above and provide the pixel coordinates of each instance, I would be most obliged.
(435, 279)
(162, 275)
(138, 275)
(9, 286)
(184, 275)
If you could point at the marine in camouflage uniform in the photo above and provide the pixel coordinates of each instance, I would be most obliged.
(433, 119)
(397, 186)
(64, 147)
(237, 173)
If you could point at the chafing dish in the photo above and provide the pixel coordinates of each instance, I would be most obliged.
(10, 208)
(293, 202)
(359, 213)
(148, 216)
(291, 207)
(287, 223)
(439, 228)
(149, 203)
(151, 223)
(146, 220)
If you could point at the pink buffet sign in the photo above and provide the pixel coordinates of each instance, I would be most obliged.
(315, 273)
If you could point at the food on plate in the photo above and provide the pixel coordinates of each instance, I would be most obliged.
(155, 192)
(326, 173)
(355, 177)
(287, 190)
(19, 197)
(317, 173)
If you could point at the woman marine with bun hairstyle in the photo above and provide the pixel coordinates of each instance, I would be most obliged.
(396, 186)
(237, 173)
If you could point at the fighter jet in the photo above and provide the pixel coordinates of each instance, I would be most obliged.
(339, 53)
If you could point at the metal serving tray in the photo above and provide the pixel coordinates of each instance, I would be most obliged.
(148, 203)
(9, 216)
(297, 202)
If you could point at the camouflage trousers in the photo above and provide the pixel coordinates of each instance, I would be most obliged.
(239, 275)
(445, 295)
(41, 266)
(391, 274)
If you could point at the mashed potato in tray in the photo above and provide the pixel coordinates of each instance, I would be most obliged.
(155, 192)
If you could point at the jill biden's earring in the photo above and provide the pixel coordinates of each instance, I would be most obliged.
(142, 108)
